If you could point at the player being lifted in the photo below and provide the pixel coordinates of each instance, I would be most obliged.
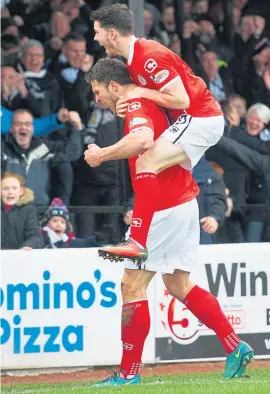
(165, 79)
(174, 232)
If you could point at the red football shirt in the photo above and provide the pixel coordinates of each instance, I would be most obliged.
(176, 184)
(152, 65)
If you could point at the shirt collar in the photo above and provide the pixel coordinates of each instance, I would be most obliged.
(131, 50)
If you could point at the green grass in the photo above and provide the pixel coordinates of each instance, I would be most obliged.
(207, 383)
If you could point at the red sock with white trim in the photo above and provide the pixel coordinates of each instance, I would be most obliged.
(135, 328)
(146, 188)
(206, 308)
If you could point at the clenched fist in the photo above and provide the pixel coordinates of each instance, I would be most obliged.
(75, 119)
(63, 115)
(87, 63)
(93, 155)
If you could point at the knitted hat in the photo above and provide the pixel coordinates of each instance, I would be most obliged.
(57, 208)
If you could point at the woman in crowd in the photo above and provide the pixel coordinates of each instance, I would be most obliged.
(19, 222)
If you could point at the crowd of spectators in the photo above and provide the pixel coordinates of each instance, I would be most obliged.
(49, 116)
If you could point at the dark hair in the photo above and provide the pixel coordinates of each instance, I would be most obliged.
(74, 37)
(9, 41)
(115, 16)
(107, 70)
(226, 107)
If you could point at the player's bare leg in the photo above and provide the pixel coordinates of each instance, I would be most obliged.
(206, 308)
(163, 155)
(135, 327)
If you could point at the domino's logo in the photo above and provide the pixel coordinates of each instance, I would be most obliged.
(47, 294)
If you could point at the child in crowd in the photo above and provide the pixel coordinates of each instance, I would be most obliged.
(19, 221)
(57, 229)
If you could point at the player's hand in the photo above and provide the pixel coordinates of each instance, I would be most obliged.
(63, 115)
(209, 224)
(93, 155)
(75, 120)
(128, 218)
(121, 107)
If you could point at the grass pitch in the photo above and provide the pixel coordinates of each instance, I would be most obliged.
(207, 383)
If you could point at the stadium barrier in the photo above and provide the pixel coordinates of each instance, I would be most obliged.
(61, 308)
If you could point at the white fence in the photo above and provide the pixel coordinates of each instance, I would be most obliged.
(61, 308)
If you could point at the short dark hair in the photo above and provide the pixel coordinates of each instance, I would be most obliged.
(21, 111)
(115, 16)
(74, 37)
(107, 70)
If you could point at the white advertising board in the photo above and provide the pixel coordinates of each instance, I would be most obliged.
(62, 308)
(239, 275)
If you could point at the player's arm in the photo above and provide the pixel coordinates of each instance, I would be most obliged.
(174, 96)
(131, 145)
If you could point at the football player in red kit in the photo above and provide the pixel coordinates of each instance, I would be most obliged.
(168, 81)
(173, 236)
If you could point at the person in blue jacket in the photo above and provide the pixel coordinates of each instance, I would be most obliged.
(42, 126)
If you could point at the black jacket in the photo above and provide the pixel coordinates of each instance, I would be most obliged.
(212, 197)
(34, 164)
(77, 95)
(19, 225)
(44, 94)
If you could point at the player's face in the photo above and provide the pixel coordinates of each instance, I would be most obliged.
(104, 96)
(106, 39)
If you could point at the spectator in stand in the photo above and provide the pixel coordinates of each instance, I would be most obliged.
(246, 187)
(29, 156)
(218, 80)
(256, 86)
(52, 33)
(19, 220)
(43, 94)
(169, 20)
(200, 7)
(98, 186)
(69, 69)
(42, 126)
(60, 28)
(10, 50)
(239, 104)
(57, 230)
(207, 39)
(152, 28)
(13, 89)
(212, 200)
(175, 45)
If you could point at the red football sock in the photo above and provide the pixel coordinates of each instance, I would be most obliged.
(135, 328)
(206, 308)
(146, 188)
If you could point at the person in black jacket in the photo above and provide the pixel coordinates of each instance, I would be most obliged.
(211, 200)
(19, 220)
(69, 69)
(32, 158)
(43, 93)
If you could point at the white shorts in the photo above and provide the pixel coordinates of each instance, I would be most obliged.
(173, 240)
(195, 135)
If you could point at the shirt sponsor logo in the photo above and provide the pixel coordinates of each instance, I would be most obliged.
(134, 106)
(142, 79)
(150, 65)
(160, 77)
(137, 121)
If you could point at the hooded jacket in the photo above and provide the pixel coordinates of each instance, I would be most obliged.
(19, 225)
